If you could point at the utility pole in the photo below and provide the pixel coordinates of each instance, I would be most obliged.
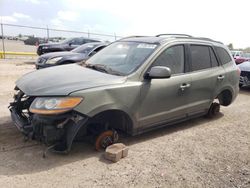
(2, 39)
(47, 34)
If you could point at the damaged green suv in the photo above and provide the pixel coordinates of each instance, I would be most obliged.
(134, 85)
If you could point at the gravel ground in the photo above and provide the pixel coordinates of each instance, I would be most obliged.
(198, 153)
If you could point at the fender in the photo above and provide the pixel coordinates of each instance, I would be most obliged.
(113, 106)
(72, 131)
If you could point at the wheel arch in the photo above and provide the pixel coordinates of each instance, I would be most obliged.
(225, 96)
(117, 118)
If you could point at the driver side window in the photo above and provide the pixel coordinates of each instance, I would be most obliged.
(173, 58)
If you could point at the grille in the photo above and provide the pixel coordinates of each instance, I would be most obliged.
(245, 74)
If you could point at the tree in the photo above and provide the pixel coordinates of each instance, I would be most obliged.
(247, 50)
(230, 46)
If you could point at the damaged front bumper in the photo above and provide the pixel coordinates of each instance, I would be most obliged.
(244, 81)
(55, 131)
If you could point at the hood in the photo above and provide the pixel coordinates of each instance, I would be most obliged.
(245, 66)
(63, 80)
(50, 44)
(59, 54)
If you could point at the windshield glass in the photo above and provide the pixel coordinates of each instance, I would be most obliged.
(66, 41)
(123, 57)
(85, 49)
(233, 53)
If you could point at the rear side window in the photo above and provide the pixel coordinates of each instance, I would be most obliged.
(203, 57)
(223, 55)
(200, 57)
(172, 57)
(214, 61)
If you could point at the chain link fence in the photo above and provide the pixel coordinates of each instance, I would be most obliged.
(23, 40)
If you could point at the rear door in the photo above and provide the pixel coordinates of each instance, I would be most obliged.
(207, 77)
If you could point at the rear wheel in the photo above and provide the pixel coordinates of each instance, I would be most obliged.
(213, 110)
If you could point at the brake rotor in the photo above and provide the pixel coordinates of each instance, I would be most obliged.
(105, 139)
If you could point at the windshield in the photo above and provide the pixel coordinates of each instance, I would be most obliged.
(123, 57)
(233, 53)
(85, 49)
(66, 41)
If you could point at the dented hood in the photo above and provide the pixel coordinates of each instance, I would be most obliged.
(63, 80)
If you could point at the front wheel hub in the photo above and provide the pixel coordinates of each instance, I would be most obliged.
(106, 139)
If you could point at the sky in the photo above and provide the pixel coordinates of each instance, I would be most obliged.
(223, 20)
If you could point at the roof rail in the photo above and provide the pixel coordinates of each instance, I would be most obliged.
(132, 36)
(208, 39)
(174, 34)
(189, 36)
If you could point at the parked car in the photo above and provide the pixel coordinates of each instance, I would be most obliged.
(242, 58)
(134, 85)
(66, 45)
(34, 41)
(236, 53)
(245, 73)
(79, 54)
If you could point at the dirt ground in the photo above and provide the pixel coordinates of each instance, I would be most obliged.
(198, 153)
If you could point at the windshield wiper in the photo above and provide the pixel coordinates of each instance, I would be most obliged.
(103, 68)
(98, 67)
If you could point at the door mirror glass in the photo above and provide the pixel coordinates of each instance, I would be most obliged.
(158, 72)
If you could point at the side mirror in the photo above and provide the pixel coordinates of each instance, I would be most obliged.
(159, 72)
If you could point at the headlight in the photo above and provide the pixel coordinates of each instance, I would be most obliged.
(45, 47)
(54, 105)
(53, 60)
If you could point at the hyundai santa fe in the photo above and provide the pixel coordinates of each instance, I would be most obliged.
(134, 85)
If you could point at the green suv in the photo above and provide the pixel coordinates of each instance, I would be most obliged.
(134, 85)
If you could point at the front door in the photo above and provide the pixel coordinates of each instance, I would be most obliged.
(164, 100)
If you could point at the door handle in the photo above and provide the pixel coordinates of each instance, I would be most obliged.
(184, 86)
(221, 77)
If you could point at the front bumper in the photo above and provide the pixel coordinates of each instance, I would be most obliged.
(244, 78)
(56, 131)
(20, 122)
(244, 81)
(41, 66)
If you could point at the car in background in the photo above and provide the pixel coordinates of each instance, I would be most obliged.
(66, 45)
(34, 41)
(242, 58)
(245, 73)
(78, 54)
(236, 53)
